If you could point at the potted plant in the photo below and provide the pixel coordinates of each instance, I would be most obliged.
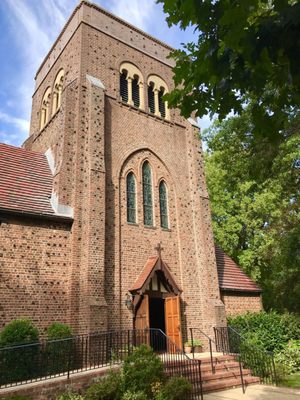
(197, 344)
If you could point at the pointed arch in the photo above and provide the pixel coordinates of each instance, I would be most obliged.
(147, 194)
(163, 205)
(131, 197)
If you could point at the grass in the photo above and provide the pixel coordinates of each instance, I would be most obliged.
(292, 381)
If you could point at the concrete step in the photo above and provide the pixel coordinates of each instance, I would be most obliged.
(228, 365)
(223, 374)
(223, 384)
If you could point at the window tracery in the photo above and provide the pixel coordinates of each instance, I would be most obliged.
(131, 85)
(157, 87)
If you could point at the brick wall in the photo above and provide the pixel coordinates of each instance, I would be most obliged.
(34, 273)
(236, 304)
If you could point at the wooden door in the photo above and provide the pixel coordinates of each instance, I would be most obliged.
(172, 317)
(142, 322)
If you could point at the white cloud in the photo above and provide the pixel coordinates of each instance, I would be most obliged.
(20, 123)
(34, 27)
(138, 12)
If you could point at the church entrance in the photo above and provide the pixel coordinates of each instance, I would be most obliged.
(157, 313)
(156, 301)
(160, 313)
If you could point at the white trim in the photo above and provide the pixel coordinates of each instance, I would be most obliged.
(95, 81)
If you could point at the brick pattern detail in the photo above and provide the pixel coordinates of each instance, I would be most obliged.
(240, 303)
(34, 271)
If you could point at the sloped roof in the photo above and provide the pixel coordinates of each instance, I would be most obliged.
(153, 264)
(25, 181)
(231, 277)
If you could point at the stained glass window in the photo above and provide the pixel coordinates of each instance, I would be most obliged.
(163, 204)
(131, 198)
(147, 195)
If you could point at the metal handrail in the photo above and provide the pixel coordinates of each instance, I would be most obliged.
(210, 346)
(260, 361)
(48, 359)
(224, 352)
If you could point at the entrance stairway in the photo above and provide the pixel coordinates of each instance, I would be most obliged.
(226, 375)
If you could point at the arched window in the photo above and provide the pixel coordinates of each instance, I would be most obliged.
(151, 99)
(161, 103)
(157, 87)
(163, 205)
(131, 197)
(147, 194)
(124, 86)
(136, 92)
(131, 85)
(57, 91)
(45, 108)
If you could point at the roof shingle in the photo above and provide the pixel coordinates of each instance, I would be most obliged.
(25, 181)
(231, 277)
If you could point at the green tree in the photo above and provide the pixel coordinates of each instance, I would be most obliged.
(244, 49)
(254, 189)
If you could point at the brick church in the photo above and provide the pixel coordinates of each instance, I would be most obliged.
(104, 212)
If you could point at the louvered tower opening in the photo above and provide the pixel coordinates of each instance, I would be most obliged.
(161, 103)
(124, 87)
(135, 92)
(151, 99)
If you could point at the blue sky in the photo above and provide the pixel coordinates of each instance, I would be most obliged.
(28, 29)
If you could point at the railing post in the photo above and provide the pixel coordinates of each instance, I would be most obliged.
(69, 360)
(200, 375)
(274, 369)
(192, 342)
(211, 357)
(242, 378)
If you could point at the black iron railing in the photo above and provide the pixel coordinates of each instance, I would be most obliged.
(211, 343)
(259, 361)
(214, 344)
(45, 360)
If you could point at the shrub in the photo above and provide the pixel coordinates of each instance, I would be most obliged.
(58, 351)
(195, 342)
(19, 331)
(58, 330)
(176, 388)
(108, 388)
(270, 330)
(142, 369)
(134, 396)
(288, 359)
(19, 363)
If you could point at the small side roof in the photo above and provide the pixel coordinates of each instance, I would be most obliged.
(231, 276)
(153, 264)
(25, 182)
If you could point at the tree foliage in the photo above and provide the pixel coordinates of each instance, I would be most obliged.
(244, 49)
(254, 189)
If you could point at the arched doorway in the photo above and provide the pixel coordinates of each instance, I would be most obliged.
(156, 300)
